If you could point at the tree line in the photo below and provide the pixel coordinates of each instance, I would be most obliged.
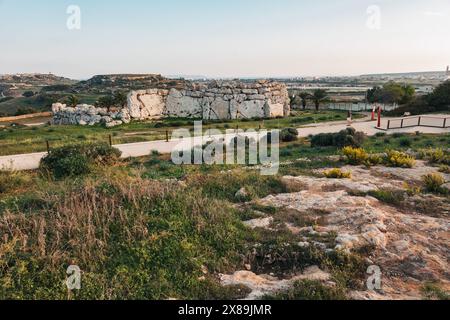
(389, 93)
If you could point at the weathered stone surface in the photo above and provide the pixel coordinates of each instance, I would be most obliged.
(84, 115)
(261, 285)
(215, 100)
(408, 242)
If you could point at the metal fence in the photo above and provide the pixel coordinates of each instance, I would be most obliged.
(355, 107)
(358, 107)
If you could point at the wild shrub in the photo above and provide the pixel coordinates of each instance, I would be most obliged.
(309, 290)
(347, 137)
(390, 196)
(399, 159)
(411, 189)
(322, 140)
(78, 159)
(445, 169)
(397, 135)
(405, 142)
(289, 135)
(337, 173)
(374, 160)
(433, 182)
(432, 291)
(355, 156)
(434, 156)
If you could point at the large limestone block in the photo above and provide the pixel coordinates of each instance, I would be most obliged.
(153, 106)
(247, 109)
(219, 109)
(179, 105)
(274, 110)
(134, 105)
(58, 107)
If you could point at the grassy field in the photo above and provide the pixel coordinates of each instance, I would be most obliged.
(137, 235)
(26, 140)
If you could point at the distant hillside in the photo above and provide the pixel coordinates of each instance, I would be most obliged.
(106, 83)
(28, 93)
(22, 93)
(14, 85)
(34, 79)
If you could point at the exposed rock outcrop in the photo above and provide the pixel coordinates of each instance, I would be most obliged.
(409, 241)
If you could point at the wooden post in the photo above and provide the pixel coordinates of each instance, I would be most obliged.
(401, 125)
(167, 135)
(389, 124)
(48, 146)
(379, 117)
(445, 123)
(420, 121)
(110, 140)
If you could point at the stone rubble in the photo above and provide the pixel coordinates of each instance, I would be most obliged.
(84, 115)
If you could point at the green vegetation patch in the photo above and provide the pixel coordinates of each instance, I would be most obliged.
(78, 159)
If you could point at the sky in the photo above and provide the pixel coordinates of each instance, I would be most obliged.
(224, 38)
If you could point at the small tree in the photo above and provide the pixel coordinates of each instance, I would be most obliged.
(120, 99)
(391, 92)
(105, 102)
(440, 98)
(304, 96)
(318, 97)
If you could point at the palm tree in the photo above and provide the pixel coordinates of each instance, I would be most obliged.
(72, 101)
(304, 96)
(318, 97)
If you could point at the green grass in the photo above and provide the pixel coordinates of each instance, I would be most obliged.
(415, 142)
(393, 197)
(433, 291)
(309, 290)
(27, 140)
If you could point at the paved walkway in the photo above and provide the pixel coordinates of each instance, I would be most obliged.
(31, 161)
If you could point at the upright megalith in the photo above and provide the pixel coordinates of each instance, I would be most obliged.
(215, 100)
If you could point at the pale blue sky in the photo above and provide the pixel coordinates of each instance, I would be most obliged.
(224, 37)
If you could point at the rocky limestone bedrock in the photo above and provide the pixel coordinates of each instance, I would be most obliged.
(215, 100)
